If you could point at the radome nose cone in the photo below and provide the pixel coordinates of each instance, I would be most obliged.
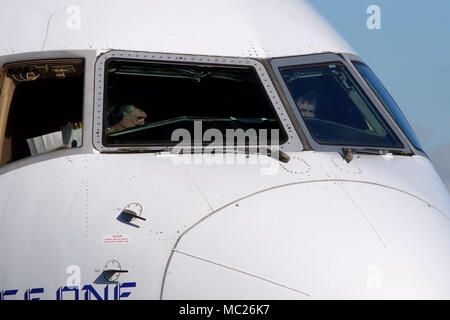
(416, 236)
(324, 239)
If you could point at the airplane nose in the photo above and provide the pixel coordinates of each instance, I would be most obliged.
(416, 238)
(322, 240)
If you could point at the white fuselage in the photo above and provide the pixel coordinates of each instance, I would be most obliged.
(316, 227)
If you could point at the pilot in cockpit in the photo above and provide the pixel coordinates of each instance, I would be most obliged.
(306, 104)
(125, 117)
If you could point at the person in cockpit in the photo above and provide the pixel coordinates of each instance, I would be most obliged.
(125, 117)
(306, 104)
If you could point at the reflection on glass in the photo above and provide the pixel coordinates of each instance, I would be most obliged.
(388, 102)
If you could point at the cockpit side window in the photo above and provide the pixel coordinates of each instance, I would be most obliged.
(40, 107)
(334, 107)
(147, 101)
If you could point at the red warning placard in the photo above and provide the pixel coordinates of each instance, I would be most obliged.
(116, 238)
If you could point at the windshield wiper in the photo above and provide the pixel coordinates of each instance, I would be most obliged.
(347, 153)
(272, 153)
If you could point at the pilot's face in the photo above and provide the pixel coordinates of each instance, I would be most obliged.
(307, 109)
(134, 118)
(138, 115)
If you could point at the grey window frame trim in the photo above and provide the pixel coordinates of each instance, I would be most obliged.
(293, 142)
(323, 58)
(352, 57)
(288, 108)
(89, 57)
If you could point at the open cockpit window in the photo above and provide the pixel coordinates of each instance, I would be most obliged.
(335, 109)
(40, 107)
(147, 103)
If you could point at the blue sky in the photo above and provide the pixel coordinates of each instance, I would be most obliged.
(411, 56)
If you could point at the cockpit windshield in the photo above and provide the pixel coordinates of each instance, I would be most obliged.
(334, 108)
(388, 102)
(148, 102)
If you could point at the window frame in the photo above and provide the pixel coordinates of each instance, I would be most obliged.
(89, 58)
(4, 111)
(350, 58)
(329, 58)
(292, 143)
